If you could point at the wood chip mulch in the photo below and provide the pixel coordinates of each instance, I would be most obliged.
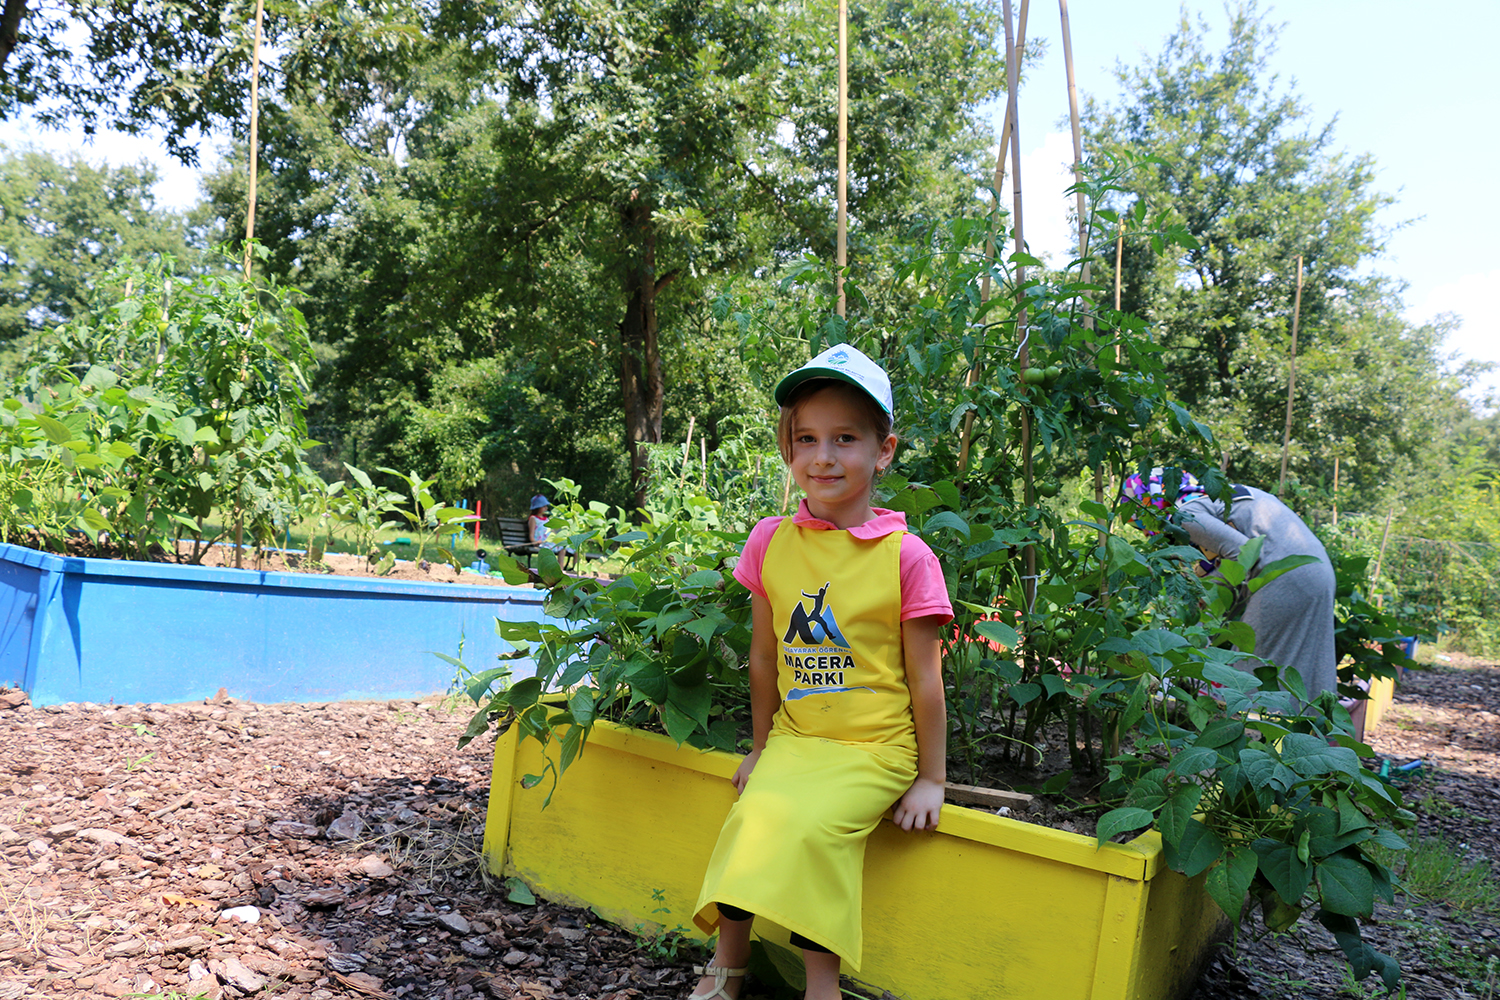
(135, 841)
(225, 849)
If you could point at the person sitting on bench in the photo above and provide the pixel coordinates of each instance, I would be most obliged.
(536, 526)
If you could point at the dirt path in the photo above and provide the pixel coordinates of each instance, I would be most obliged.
(130, 835)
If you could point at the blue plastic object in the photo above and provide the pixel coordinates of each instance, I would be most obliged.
(103, 630)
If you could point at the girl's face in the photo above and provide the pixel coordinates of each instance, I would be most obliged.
(835, 455)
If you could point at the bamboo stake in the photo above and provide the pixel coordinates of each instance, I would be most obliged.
(843, 238)
(967, 437)
(1023, 353)
(1083, 241)
(1083, 229)
(239, 513)
(254, 133)
(1119, 261)
(703, 461)
(1380, 556)
(1335, 491)
(686, 450)
(1291, 385)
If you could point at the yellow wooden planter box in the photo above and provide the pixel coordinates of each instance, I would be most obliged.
(985, 907)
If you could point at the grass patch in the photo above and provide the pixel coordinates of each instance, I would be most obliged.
(1434, 870)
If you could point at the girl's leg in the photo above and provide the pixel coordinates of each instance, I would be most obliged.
(822, 975)
(732, 952)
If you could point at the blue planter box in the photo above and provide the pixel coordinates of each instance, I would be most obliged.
(104, 630)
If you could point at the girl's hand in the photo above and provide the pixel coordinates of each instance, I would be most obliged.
(918, 809)
(742, 773)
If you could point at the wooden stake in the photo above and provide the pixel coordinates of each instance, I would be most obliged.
(239, 513)
(1023, 355)
(1119, 260)
(1083, 231)
(703, 460)
(254, 140)
(1291, 384)
(966, 439)
(843, 222)
(1335, 491)
(686, 450)
(1380, 556)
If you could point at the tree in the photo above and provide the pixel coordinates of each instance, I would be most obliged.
(64, 224)
(1237, 161)
(584, 205)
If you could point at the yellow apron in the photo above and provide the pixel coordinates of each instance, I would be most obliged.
(842, 747)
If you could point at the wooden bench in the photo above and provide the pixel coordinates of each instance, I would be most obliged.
(514, 539)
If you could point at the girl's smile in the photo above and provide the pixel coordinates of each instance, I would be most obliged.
(836, 454)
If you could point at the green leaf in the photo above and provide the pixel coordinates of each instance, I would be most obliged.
(1194, 760)
(1262, 769)
(1363, 959)
(1221, 732)
(679, 724)
(552, 573)
(1345, 886)
(948, 493)
(1194, 851)
(1229, 880)
(523, 693)
(517, 891)
(704, 578)
(1283, 868)
(1311, 756)
(1025, 693)
(1179, 808)
(55, 430)
(514, 632)
(948, 520)
(997, 632)
(1121, 820)
(581, 707)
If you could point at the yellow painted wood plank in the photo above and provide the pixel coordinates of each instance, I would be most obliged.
(1124, 917)
(497, 812)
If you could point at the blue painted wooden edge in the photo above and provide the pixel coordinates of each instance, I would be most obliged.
(219, 576)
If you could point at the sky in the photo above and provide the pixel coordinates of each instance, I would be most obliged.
(1401, 85)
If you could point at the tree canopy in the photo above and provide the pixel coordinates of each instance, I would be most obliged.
(1225, 151)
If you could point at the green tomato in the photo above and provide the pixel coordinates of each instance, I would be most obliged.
(1049, 488)
(1034, 376)
(1052, 373)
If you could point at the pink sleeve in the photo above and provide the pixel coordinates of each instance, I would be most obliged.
(753, 555)
(923, 591)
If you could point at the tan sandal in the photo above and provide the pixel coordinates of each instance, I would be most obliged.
(721, 977)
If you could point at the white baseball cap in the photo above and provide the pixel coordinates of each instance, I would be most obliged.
(847, 364)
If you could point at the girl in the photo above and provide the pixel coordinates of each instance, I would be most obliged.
(846, 693)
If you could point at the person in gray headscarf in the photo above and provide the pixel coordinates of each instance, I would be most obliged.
(1293, 615)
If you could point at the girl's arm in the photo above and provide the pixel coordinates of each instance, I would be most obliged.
(918, 809)
(765, 695)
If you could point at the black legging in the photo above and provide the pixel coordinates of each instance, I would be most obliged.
(735, 913)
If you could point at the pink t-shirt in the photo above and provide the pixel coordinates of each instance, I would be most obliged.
(923, 592)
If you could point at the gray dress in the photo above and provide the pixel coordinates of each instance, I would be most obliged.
(1292, 615)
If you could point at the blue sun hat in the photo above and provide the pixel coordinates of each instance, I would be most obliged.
(847, 364)
(539, 501)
